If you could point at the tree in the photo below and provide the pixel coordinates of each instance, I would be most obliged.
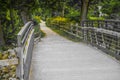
(2, 14)
(84, 9)
(111, 7)
(58, 7)
(2, 42)
(12, 13)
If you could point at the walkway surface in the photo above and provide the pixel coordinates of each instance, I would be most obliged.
(56, 58)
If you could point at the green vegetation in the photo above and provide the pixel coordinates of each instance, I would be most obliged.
(42, 34)
(36, 19)
(15, 13)
(96, 18)
(109, 9)
(57, 14)
(38, 32)
(58, 21)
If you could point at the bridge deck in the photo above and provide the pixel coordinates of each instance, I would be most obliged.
(56, 58)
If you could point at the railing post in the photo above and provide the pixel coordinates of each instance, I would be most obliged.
(91, 23)
(91, 37)
(96, 38)
(85, 35)
(82, 23)
(103, 41)
(106, 25)
(71, 28)
(76, 29)
(118, 49)
(20, 72)
(98, 22)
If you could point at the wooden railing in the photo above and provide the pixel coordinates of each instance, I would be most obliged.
(105, 35)
(113, 25)
(25, 47)
(22, 55)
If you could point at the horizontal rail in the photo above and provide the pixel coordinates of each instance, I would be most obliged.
(24, 28)
(7, 62)
(25, 47)
(21, 61)
(109, 32)
(113, 25)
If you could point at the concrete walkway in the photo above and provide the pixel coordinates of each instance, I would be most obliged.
(56, 58)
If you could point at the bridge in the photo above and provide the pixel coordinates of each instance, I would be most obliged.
(96, 57)
(56, 58)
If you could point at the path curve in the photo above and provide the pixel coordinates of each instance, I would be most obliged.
(56, 58)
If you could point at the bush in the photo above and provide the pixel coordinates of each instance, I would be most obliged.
(73, 15)
(57, 22)
(96, 18)
(36, 20)
(38, 32)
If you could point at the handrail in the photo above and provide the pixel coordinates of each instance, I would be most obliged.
(24, 50)
(106, 24)
(25, 47)
(103, 34)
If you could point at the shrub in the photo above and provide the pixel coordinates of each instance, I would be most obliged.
(57, 22)
(36, 19)
(96, 18)
(73, 15)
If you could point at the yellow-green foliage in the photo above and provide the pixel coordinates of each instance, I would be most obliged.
(37, 19)
(96, 18)
(8, 15)
(58, 21)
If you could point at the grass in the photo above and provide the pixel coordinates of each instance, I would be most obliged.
(6, 47)
(65, 35)
(38, 31)
(42, 34)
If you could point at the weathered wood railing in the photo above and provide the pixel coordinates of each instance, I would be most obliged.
(105, 35)
(22, 55)
(25, 47)
(72, 29)
(113, 25)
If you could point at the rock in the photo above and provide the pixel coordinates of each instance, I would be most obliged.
(5, 56)
(0, 56)
(12, 53)
(8, 72)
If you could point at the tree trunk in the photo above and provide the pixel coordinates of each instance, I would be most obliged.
(63, 9)
(84, 11)
(2, 42)
(24, 16)
(12, 17)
